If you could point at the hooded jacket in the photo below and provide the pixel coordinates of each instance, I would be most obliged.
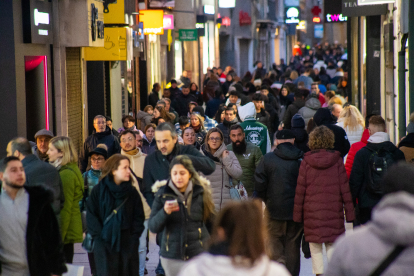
(354, 149)
(181, 101)
(226, 168)
(148, 147)
(95, 139)
(211, 265)
(276, 179)
(407, 147)
(225, 129)
(145, 118)
(359, 178)
(291, 111)
(310, 108)
(360, 252)
(324, 117)
(256, 133)
(322, 193)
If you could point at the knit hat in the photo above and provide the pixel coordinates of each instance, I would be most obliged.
(44, 132)
(410, 127)
(173, 81)
(199, 110)
(285, 134)
(333, 87)
(298, 121)
(239, 88)
(100, 151)
(393, 182)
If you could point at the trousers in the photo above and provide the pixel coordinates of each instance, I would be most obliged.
(172, 266)
(317, 256)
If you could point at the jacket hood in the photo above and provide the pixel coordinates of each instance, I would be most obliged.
(322, 159)
(300, 134)
(323, 117)
(204, 182)
(379, 137)
(105, 133)
(219, 151)
(365, 136)
(287, 151)
(313, 103)
(393, 218)
(247, 111)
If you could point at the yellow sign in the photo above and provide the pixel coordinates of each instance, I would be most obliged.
(114, 13)
(153, 21)
(115, 46)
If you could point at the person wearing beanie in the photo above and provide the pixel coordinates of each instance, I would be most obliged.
(301, 135)
(278, 193)
(174, 90)
(362, 251)
(42, 139)
(407, 143)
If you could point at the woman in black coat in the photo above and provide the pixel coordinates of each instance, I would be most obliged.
(115, 242)
(180, 210)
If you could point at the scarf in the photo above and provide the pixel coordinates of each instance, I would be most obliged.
(132, 152)
(187, 197)
(208, 153)
(57, 163)
(379, 137)
(196, 128)
(42, 156)
(111, 196)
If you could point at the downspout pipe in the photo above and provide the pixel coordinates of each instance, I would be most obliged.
(401, 89)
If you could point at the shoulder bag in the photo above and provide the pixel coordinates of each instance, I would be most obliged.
(88, 243)
(388, 261)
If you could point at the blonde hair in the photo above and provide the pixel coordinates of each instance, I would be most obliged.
(351, 117)
(294, 75)
(65, 146)
(199, 118)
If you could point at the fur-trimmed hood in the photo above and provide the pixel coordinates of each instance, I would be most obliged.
(204, 182)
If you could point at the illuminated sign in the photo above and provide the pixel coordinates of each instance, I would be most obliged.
(168, 21)
(226, 21)
(153, 21)
(209, 9)
(187, 34)
(40, 17)
(292, 15)
(374, 2)
(244, 19)
(199, 25)
(316, 19)
(318, 31)
(301, 25)
(227, 3)
(335, 18)
(37, 24)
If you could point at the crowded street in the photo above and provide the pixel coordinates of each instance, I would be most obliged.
(206, 138)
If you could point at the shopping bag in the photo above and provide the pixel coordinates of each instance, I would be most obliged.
(74, 270)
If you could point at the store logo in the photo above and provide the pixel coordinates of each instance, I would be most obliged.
(40, 17)
(292, 15)
(336, 18)
(254, 137)
(244, 19)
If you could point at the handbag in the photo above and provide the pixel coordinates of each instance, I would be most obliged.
(237, 192)
(88, 243)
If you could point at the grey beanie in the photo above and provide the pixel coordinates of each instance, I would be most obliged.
(44, 132)
(410, 128)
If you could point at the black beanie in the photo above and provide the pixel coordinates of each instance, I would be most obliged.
(393, 182)
(298, 121)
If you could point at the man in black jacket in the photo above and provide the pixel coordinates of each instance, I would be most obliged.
(157, 164)
(324, 117)
(275, 183)
(230, 118)
(153, 97)
(362, 175)
(30, 241)
(293, 108)
(174, 90)
(38, 173)
(181, 101)
(101, 135)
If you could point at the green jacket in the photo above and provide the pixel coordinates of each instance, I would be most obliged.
(70, 216)
(256, 133)
(248, 161)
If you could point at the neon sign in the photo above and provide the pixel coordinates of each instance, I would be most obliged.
(40, 17)
(292, 15)
(336, 18)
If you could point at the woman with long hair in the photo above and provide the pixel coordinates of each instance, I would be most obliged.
(237, 245)
(189, 137)
(221, 112)
(115, 219)
(181, 209)
(159, 112)
(322, 193)
(149, 145)
(227, 167)
(197, 123)
(63, 156)
(352, 121)
(196, 92)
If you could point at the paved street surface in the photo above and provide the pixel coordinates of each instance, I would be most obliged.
(81, 258)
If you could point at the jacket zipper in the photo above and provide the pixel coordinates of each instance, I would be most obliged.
(199, 236)
(168, 237)
(222, 186)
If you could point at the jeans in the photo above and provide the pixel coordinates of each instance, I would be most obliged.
(142, 250)
(317, 255)
(159, 269)
(285, 239)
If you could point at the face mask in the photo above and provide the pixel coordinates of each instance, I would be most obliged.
(344, 83)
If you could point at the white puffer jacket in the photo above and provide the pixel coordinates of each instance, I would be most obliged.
(353, 135)
(220, 179)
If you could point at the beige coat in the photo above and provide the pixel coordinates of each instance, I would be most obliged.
(137, 165)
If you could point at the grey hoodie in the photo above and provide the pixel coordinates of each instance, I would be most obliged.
(310, 108)
(359, 253)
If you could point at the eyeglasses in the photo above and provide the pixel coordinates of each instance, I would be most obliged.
(212, 139)
(140, 141)
(128, 139)
(97, 159)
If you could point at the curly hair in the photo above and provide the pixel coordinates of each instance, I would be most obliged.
(321, 138)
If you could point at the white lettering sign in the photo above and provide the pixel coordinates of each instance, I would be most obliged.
(41, 17)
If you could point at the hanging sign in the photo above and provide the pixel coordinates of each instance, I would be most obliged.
(374, 2)
(37, 23)
(244, 19)
(153, 21)
(292, 15)
(351, 8)
(227, 3)
(318, 31)
(168, 21)
(115, 47)
(187, 34)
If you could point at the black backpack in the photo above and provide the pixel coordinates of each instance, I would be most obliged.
(378, 164)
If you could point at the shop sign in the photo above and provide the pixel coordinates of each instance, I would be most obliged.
(291, 3)
(244, 19)
(292, 15)
(115, 47)
(153, 21)
(162, 3)
(374, 2)
(318, 31)
(209, 9)
(227, 3)
(187, 34)
(351, 8)
(316, 19)
(168, 21)
(226, 21)
(37, 27)
(301, 25)
(332, 18)
(114, 11)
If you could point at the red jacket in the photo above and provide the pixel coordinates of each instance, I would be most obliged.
(321, 98)
(321, 194)
(354, 149)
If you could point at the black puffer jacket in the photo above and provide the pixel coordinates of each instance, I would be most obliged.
(184, 233)
(181, 101)
(92, 141)
(276, 179)
(225, 128)
(291, 111)
(264, 118)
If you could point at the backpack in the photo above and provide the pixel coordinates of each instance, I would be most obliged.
(378, 164)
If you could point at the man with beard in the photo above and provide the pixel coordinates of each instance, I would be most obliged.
(30, 242)
(248, 154)
(42, 138)
(230, 119)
